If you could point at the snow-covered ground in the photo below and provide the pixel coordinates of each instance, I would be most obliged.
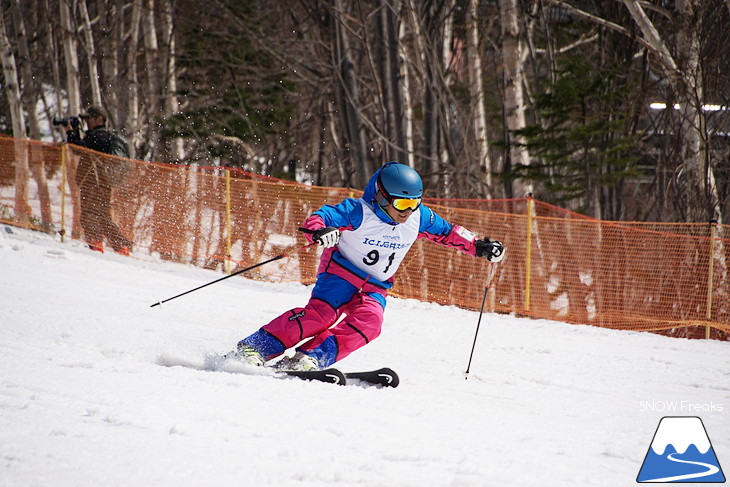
(84, 400)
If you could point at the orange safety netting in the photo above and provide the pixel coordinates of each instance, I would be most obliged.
(559, 265)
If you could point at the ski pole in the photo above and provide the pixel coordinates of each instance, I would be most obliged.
(490, 276)
(280, 256)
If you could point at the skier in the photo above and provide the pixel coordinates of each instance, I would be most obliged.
(365, 241)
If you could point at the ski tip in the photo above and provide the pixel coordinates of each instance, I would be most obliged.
(395, 380)
(329, 376)
(385, 377)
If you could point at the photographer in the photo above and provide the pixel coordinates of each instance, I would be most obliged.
(95, 190)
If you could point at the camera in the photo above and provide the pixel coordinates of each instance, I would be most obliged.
(74, 121)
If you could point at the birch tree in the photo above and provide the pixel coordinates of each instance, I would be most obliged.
(29, 90)
(476, 93)
(154, 68)
(132, 121)
(390, 69)
(30, 94)
(348, 98)
(514, 99)
(71, 58)
(171, 102)
(405, 82)
(12, 87)
(90, 47)
(431, 16)
(53, 53)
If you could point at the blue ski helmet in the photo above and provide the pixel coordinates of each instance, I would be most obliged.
(400, 181)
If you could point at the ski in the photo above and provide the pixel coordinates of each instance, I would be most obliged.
(385, 377)
(330, 376)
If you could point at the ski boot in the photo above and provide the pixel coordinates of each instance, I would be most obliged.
(248, 354)
(300, 362)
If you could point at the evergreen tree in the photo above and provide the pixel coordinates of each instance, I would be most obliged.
(580, 149)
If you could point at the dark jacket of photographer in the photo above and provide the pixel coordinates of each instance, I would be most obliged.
(98, 139)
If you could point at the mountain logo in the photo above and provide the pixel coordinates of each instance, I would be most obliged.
(680, 452)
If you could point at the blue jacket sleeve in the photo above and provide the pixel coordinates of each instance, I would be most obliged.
(346, 215)
(438, 230)
(432, 223)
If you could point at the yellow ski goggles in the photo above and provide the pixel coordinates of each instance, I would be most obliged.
(403, 204)
(400, 204)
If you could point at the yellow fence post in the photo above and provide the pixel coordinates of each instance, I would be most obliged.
(63, 191)
(713, 225)
(528, 252)
(228, 221)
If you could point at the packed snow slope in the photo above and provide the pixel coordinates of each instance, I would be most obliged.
(86, 401)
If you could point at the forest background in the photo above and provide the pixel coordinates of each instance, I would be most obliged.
(617, 109)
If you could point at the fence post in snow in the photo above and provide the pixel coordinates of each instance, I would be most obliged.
(713, 226)
(63, 191)
(228, 221)
(528, 252)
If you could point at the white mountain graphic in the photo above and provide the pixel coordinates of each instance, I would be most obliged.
(680, 432)
(680, 452)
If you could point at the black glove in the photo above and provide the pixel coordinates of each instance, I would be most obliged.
(327, 237)
(493, 251)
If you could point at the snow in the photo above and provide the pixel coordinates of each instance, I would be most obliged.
(85, 399)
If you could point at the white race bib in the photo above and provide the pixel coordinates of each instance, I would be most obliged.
(376, 247)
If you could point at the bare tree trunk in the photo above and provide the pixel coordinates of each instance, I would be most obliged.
(695, 155)
(116, 65)
(417, 62)
(348, 100)
(30, 97)
(71, 57)
(73, 94)
(132, 122)
(440, 129)
(22, 208)
(407, 102)
(55, 71)
(29, 90)
(110, 41)
(514, 100)
(90, 54)
(12, 85)
(430, 43)
(154, 67)
(476, 94)
(171, 105)
(389, 77)
(445, 107)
